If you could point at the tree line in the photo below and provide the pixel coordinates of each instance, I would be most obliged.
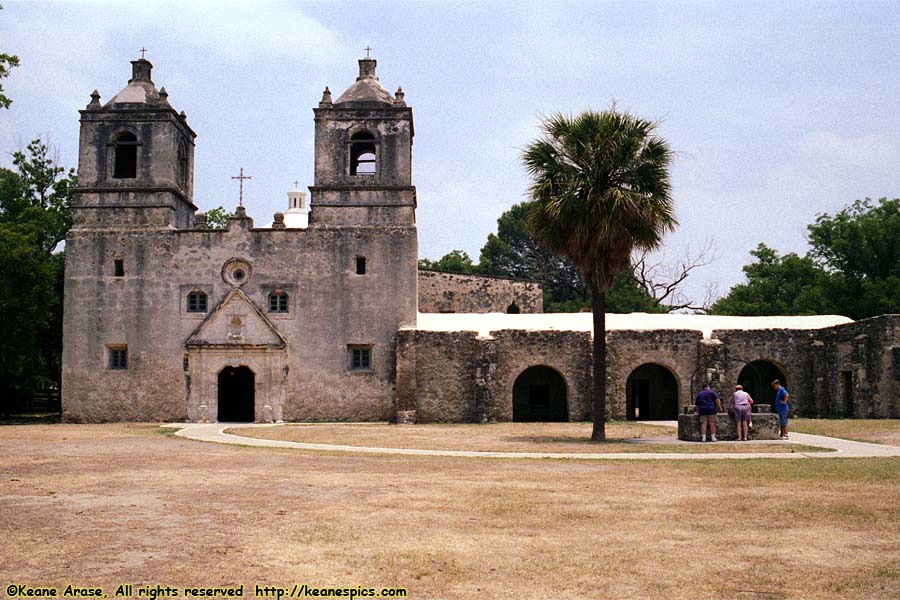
(851, 269)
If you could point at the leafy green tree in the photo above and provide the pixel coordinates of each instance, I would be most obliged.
(7, 62)
(860, 248)
(602, 191)
(853, 268)
(455, 261)
(778, 285)
(35, 213)
(217, 217)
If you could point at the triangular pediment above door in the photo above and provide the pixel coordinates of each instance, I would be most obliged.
(236, 322)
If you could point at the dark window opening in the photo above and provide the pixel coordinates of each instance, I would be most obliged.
(125, 156)
(196, 302)
(847, 381)
(119, 267)
(118, 358)
(363, 155)
(182, 166)
(278, 302)
(360, 358)
(360, 265)
(513, 309)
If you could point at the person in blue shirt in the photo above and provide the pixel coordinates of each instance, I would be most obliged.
(782, 407)
(708, 405)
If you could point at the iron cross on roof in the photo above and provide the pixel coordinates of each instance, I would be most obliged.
(241, 178)
(367, 49)
(296, 184)
(142, 52)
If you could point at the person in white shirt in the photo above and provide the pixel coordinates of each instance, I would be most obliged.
(742, 404)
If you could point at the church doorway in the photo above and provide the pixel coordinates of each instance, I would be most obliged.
(236, 395)
(539, 394)
(756, 378)
(651, 394)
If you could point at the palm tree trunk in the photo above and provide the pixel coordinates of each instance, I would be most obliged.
(598, 393)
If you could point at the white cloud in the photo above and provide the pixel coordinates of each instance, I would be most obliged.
(244, 31)
(871, 152)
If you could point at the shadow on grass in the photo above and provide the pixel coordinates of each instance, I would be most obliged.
(575, 441)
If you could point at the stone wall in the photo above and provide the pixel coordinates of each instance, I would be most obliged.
(438, 372)
(857, 369)
(460, 377)
(677, 351)
(331, 307)
(566, 352)
(440, 291)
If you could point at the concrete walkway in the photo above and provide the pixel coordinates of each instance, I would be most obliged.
(215, 432)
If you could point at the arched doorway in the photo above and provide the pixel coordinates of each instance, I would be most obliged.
(236, 395)
(513, 309)
(539, 394)
(652, 394)
(756, 377)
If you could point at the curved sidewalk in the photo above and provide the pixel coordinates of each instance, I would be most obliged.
(215, 432)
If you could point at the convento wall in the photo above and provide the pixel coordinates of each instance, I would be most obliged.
(464, 370)
(443, 292)
(323, 314)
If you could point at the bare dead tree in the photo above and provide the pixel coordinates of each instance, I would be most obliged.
(664, 281)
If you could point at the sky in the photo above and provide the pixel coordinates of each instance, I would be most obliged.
(777, 112)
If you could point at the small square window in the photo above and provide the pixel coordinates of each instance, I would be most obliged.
(278, 302)
(360, 265)
(119, 267)
(118, 358)
(360, 358)
(196, 302)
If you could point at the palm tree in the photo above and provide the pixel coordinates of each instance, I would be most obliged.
(601, 191)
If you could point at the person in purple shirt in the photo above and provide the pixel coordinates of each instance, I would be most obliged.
(708, 405)
(782, 407)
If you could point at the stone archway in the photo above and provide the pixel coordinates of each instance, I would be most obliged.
(756, 378)
(540, 394)
(652, 394)
(237, 396)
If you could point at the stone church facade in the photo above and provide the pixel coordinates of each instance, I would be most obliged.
(169, 319)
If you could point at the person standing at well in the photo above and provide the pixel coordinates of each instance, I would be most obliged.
(742, 404)
(782, 407)
(708, 406)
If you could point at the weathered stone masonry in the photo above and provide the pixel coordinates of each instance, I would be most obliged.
(458, 376)
(329, 322)
(442, 292)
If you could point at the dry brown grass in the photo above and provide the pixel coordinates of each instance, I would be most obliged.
(877, 431)
(122, 503)
(507, 437)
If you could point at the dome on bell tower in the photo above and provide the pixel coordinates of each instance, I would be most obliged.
(140, 88)
(367, 90)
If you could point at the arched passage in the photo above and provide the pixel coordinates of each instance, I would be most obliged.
(652, 394)
(757, 377)
(539, 394)
(236, 395)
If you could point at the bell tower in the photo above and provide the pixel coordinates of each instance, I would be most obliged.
(363, 164)
(135, 160)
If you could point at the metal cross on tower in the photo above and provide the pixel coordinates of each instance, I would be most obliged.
(367, 49)
(241, 178)
(142, 52)
(296, 184)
